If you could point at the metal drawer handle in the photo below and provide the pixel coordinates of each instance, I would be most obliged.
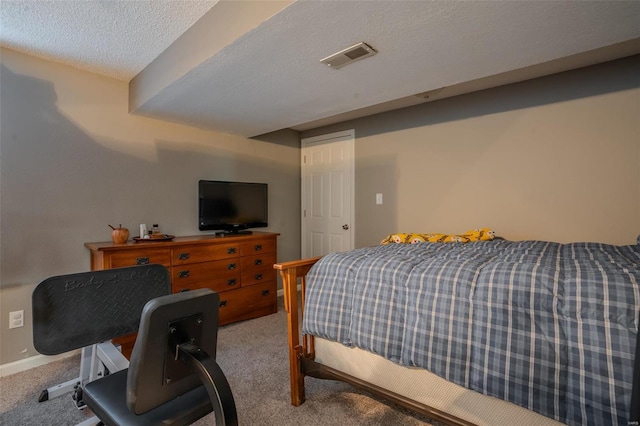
(265, 292)
(257, 247)
(142, 260)
(258, 262)
(258, 276)
(183, 274)
(183, 256)
(223, 303)
(231, 266)
(231, 282)
(231, 250)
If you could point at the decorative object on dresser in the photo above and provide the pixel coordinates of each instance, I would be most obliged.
(119, 235)
(239, 268)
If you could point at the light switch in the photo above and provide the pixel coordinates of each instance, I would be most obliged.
(378, 198)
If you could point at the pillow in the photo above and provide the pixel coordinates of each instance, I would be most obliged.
(484, 234)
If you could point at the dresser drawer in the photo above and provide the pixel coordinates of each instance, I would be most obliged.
(262, 245)
(247, 302)
(219, 275)
(182, 255)
(144, 256)
(259, 268)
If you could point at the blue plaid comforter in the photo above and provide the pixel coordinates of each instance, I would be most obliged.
(551, 327)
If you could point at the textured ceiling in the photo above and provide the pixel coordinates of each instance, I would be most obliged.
(252, 67)
(115, 38)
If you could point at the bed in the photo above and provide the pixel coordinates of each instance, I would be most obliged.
(487, 332)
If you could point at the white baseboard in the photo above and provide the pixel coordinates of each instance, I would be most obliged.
(32, 362)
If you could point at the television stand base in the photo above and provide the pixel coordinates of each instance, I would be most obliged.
(232, 233)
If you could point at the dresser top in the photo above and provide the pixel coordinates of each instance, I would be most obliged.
(193, 239)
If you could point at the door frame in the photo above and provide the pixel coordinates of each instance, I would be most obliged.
(327, 138)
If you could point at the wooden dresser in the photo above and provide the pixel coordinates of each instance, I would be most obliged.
(239, 268)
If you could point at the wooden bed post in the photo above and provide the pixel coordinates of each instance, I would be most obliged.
(290, 272)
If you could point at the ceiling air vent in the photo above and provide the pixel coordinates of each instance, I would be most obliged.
(349, 55)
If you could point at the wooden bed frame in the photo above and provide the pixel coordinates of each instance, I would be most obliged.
(302, 351)
(302, 355)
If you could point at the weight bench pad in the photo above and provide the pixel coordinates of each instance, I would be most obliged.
(107, 399)
(78, 310)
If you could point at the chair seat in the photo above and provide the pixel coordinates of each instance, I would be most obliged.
(106, 397)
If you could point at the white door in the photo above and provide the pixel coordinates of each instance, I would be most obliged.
(327, 194)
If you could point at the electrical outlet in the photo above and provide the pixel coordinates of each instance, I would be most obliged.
(16, 319)
(378, 198)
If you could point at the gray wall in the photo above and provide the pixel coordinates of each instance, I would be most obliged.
(555, 158)
(73, 160)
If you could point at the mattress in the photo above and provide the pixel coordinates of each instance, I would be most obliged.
(425, 387)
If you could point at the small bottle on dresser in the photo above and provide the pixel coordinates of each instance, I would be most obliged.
(155, 229)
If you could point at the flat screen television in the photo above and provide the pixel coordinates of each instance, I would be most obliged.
(232, 207)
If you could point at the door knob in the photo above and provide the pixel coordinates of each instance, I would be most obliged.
(345, 227)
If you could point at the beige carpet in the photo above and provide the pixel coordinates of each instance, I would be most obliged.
(253, 355)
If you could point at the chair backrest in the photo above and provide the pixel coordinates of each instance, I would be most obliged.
(155, 376)
(78, 310)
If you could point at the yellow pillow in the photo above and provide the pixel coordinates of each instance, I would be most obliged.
(484, 234)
